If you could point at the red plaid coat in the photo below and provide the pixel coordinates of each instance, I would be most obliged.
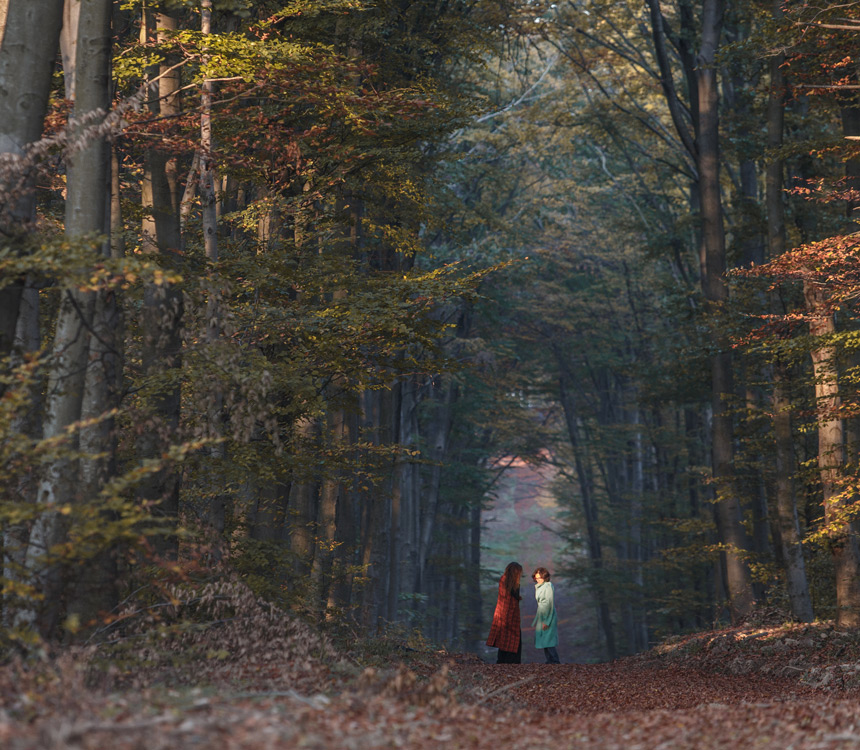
(505, 630)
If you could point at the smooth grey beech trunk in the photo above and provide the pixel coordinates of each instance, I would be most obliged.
(15, 536)
(589, 507)
(69, 44)
(399, 394)
(702, 145)
(848, 591)
(348, 524)
(163, 304)
(30, 36)
(87, 179)
(751, 242)
(833, 437)
(207, 167)
(440, 432)
(786, 466)
(729, 518)
(220, 504)
(831, 448)
(303, 508)
(331, 493)
(408, 481)
(94, 585)
(373, 554)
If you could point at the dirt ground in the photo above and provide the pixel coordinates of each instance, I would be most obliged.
(783, 688)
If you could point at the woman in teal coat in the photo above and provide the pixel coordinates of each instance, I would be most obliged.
(546, 620)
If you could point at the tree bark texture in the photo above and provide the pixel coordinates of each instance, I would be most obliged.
(16, 536)
(589, 507)
(163, 305)
(348, 530)
(69, 44)
(30, 36)
(395, 539)
(374, 518)
(831, 446)
(95, 590)
(440, 432)
(207, 166)
(729, 519)
(409, 479)
(704, 111)
(786, 504)
(87, 199)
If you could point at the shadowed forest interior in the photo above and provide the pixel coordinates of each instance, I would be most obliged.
(352, 303)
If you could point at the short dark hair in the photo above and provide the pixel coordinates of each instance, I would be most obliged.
(544, 573)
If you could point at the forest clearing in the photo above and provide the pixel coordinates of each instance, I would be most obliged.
(336, 334)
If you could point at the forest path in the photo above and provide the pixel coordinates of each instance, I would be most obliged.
(793, 687)
(621, 705)
(634, 704)
(630, 685)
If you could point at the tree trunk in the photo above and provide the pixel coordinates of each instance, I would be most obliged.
(95, 585)
(704, 109)
(831, 445)
(30, 36)
(408, 477)
(207, 167)
(87, 170)
(15, 536)
(220, 504)
(752, 245)
(589, 507)
(322, 565)
(162, 304)
(374, 527)
(786, 505)
(395, 526)
(851, 128)
(96, 590)
(69, 44)
(348, 524)
(331, 492)
(303, 507)
(729, 520)
(441, 430)
(637, 547)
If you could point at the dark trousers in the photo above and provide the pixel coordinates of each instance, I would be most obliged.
(511, 657)
(551, 654)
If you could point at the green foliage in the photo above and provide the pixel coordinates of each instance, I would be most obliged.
(482, 207)
(109, 521)
(329, 120)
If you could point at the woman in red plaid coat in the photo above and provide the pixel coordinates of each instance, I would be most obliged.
(505, 632)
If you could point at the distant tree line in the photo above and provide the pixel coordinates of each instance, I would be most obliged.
(682, 177)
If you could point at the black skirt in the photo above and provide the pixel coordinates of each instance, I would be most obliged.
(512, 657)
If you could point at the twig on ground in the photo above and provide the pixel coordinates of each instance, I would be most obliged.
(503, 688)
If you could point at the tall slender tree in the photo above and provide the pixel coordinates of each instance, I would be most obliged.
(30, 36)
(786, 505)
(87, 200)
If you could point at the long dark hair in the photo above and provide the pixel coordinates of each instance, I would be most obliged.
(511, 578)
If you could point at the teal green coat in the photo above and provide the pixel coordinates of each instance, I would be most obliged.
(544, 595)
